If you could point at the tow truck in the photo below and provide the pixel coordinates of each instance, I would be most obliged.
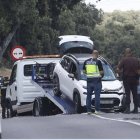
(30, 87)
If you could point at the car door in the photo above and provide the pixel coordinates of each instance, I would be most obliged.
(71, 82)
(13, 85)
(63, 75)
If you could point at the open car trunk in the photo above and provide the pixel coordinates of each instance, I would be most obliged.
(75, 44)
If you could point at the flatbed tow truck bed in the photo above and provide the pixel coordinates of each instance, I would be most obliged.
(46, 87)
(66, 106)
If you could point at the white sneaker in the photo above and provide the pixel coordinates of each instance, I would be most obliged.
(98, 112)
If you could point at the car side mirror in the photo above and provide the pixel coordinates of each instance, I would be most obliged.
(71, 75)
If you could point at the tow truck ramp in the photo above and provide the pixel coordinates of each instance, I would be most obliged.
(46, 87)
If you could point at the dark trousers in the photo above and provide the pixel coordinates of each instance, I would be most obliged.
(130, 85)
(96, 86)
(3, 106)
(3, 101)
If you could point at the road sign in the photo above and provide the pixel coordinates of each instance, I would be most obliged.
(17, 52)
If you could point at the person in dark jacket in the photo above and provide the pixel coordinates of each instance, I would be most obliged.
(94, 71)
(3, 102)
(129, 66)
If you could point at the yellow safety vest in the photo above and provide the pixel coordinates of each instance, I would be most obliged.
(92, 71)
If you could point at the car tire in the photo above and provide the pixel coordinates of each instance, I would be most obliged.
(37, 109)
(56, 87)
(40, 107)
(77, 103)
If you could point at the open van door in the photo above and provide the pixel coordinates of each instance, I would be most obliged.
(12, 87)
(75, 44)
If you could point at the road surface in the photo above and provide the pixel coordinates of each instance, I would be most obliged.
(76, 126)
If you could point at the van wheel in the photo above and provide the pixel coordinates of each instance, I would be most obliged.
(77, 103)
(56, 88)
(40, 107)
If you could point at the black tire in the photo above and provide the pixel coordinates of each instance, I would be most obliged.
(40, 107)
(37, 107)
(56, 87)
(77, 103)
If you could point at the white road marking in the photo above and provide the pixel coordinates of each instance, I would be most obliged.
(119, 120)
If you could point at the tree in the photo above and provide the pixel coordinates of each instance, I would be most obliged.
(42, 21)
(118, 31)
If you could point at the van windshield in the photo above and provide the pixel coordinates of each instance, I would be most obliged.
(108, 73)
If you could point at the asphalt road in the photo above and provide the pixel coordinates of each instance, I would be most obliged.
(78, 126)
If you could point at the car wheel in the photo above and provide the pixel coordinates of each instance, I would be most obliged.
(40, 107)
(77, 103)
(37, 107)
(56, 88)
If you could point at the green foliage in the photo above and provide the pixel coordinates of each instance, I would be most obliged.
(118, 31)
(42, 21)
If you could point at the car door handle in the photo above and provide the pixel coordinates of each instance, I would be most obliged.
(15, 88)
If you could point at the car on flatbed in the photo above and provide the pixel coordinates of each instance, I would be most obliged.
(70, 80)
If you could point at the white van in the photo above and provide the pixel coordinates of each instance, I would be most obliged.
(22, 90)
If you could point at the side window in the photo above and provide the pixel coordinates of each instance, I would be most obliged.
(65, 63)
(13, 74)
(62, 62)
(27, 70)
(73, 70)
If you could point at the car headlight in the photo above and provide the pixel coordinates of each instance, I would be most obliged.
(120, 88)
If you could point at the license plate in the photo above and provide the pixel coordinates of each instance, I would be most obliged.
(106, 101)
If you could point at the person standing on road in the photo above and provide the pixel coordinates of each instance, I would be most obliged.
(94, 71)
(3, 99)
(129, 66)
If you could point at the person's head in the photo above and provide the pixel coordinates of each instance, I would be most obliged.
(95, 54)
(128, 52)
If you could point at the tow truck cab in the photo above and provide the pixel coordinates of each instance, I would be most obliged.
(21, 90)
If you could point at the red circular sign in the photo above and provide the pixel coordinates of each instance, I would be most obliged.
(17, 52)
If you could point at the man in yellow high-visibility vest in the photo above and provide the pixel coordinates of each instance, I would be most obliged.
(94, 71)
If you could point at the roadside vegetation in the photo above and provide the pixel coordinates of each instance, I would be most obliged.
(42, 21)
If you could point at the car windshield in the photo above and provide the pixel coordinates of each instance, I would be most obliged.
(108, 73)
